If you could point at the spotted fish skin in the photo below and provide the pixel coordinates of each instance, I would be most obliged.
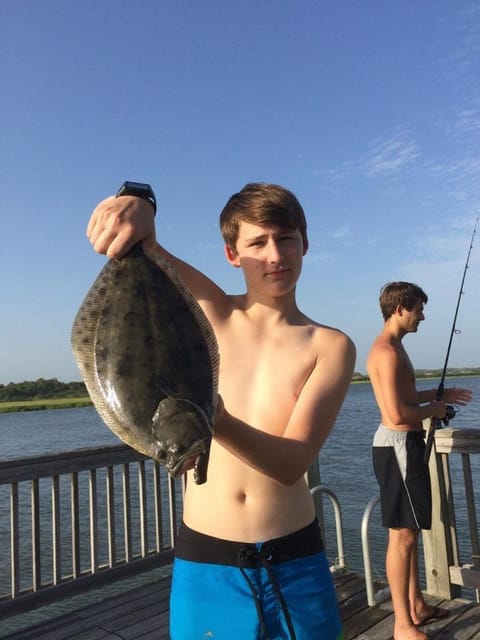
(149, 359)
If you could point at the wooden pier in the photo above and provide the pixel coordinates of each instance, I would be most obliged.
(142, 614)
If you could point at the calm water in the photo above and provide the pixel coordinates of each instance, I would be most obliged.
(345, 460)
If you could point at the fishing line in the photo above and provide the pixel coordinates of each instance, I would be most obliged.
(436, 423)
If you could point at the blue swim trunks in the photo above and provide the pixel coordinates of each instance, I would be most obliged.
(281, 589)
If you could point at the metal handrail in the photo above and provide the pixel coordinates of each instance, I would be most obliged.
(340, 561)
(367, 566)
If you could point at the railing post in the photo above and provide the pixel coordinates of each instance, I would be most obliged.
(439, 543)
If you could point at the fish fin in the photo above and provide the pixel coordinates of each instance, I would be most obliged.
(201, 465)
(83, 332)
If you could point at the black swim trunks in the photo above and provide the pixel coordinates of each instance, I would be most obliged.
(403, 477)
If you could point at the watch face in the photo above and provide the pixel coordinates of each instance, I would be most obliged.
(137, 186)
(140, 189)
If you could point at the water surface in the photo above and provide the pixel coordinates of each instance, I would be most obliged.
(345, 460)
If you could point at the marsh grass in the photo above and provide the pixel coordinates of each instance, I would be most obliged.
(36, 405)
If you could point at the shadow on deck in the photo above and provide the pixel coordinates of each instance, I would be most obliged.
(141, 613)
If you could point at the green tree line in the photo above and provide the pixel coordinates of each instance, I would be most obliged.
(41, 389)
(430, 373)
(52, 388)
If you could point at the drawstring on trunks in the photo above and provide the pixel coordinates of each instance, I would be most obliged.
(253, 559)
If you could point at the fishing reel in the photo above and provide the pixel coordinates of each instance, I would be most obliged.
(449, 415)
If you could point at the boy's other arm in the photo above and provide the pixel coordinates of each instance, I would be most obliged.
(286, 457)
(457, 395)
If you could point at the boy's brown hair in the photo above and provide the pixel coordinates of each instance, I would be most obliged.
(405, 294)
(262, 204)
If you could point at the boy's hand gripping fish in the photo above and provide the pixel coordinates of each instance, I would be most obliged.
(149, 359)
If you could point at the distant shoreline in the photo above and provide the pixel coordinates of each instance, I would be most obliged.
(85, 401)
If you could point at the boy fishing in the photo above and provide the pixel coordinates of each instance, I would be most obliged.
(249, 560)
(398, 453)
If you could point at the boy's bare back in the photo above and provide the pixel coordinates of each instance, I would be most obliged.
(393, 380)
(391, 373)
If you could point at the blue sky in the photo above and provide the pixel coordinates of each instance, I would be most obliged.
(368, 110)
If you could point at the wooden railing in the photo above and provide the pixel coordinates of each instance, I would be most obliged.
(446, 573)
(77, 520)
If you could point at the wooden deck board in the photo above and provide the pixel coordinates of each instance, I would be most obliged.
(142, 614)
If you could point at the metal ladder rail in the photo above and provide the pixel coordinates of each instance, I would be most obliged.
(367, 565)
(340, 561)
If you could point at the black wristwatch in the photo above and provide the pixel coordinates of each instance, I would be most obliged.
(139, 189)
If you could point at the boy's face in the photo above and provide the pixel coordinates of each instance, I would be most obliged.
(412, 318)
(271, 258)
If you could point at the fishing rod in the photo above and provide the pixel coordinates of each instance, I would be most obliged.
(436, 423)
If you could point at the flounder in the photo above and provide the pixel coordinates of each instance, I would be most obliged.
(149, 359)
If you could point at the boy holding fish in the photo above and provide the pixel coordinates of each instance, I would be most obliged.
(249, 556)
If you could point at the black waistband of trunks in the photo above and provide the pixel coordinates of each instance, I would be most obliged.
(198, 547)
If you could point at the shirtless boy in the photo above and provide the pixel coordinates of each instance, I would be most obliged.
(398, 453)
(283, 379)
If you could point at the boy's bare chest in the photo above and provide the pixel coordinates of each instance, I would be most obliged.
(255, 364)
